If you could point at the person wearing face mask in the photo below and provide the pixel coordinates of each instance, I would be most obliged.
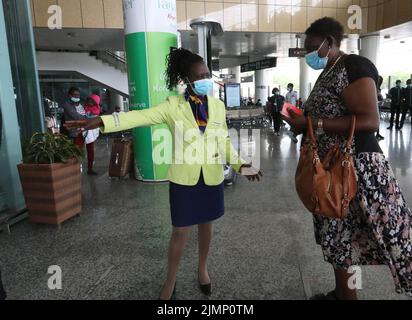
(292, 96)
(196, 191)
(378, 227)
(407, 101)
(396, 104)
(92, 110)
(73, 110)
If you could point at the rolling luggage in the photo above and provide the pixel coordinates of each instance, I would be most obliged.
(121, 160)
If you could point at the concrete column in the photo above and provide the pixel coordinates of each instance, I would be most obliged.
(236, 72)
(261, 86)
(352, 42)
(304, 84)
(370, 47)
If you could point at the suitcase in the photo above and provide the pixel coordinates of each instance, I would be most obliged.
(121, 159)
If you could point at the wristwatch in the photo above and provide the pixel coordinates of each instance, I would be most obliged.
(319, 129)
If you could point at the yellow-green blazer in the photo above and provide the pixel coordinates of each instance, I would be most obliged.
(177, 114)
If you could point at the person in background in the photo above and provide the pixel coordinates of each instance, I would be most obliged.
(301, 104)
(380, 99)
(259, 103)
(407, 101)
(3, 294)
(275, 105)
(250, 102)
(92, 109)
(73, 110)
(396, 96)
(292, 96)
(117, 110)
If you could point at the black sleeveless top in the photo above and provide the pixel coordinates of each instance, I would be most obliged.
(325, 101)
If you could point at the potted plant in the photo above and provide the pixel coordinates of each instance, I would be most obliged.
(51, 179)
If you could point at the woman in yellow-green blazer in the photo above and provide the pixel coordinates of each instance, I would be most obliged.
(196, 187)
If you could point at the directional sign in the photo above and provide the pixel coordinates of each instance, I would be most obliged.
(297, 53)
(259, 65)
(227, 76)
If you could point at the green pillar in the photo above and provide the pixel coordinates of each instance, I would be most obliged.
(151, 31)
(11, 195)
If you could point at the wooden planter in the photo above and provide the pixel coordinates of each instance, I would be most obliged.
(52, 191)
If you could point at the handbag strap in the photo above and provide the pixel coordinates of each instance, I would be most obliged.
(311, 135)
(351, 133)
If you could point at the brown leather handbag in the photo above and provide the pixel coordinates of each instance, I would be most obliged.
(326, 187)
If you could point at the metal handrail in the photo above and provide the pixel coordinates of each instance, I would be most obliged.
(111, 58)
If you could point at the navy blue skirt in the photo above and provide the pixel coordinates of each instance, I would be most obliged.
(199, 204)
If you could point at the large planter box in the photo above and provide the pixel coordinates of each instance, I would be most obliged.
(52, 191)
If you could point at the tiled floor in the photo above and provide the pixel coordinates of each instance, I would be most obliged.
(263, 248)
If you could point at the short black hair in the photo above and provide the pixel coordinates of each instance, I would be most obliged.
(179, 61)
(73, 89)
(409, 81)
(398, 81)
(290, 85)
(326, 27)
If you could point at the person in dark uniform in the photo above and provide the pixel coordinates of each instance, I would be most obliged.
(407, 101)
(380, 98)
(275, 106)
(396, 96)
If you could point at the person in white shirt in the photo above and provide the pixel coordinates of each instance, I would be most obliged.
(292, 96)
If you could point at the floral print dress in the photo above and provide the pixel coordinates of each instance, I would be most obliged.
(378, 229)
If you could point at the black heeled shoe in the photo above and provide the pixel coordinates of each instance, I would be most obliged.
(206, 289)
(173, 297)
(329, 296)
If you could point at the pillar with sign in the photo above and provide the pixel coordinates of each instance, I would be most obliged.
(151, 32)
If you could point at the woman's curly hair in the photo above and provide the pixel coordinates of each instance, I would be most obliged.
(179, 61)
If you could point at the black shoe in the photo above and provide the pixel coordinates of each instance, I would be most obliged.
(173, 297)
(329, 296)
(390, 128)
(92, 173)
(206, 289)
(379, 137)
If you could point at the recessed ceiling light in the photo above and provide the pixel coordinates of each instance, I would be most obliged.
(387, 36)
(403, 41)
